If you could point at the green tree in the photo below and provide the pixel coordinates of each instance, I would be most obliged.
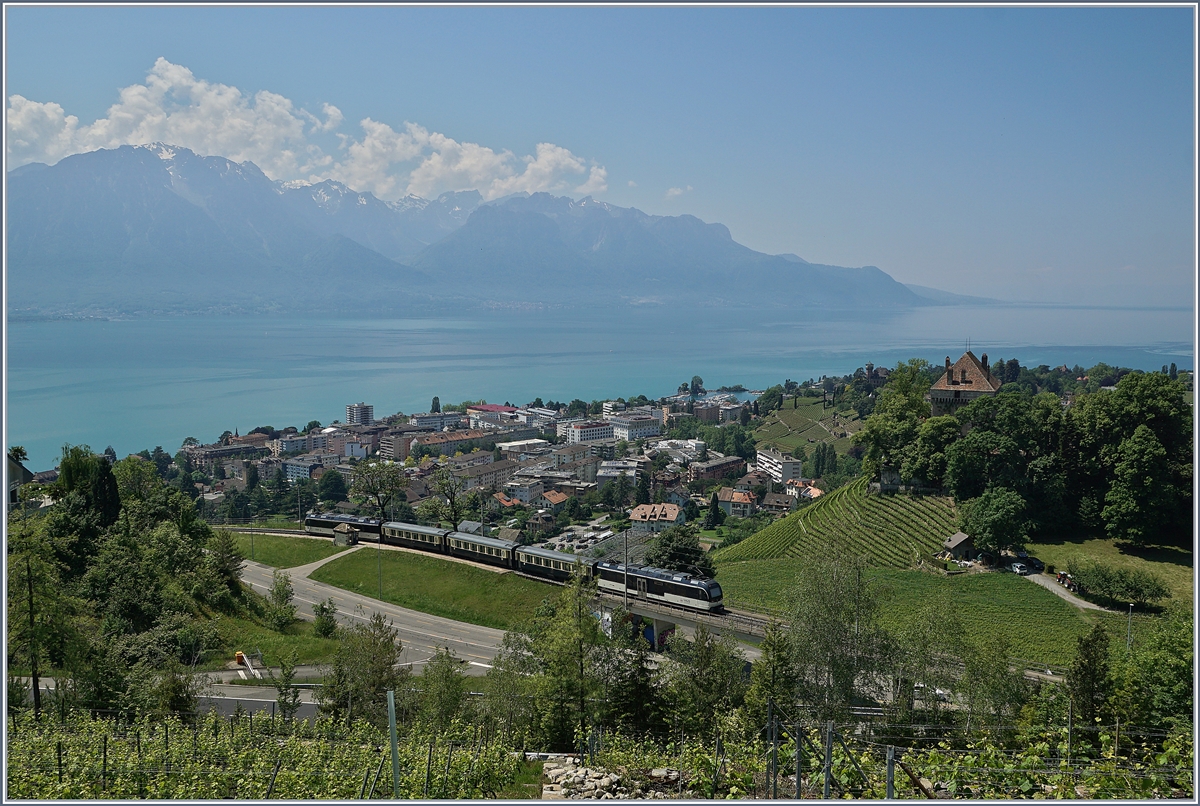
(995, 520)
(287, 693)
(17, 454)
(443, 688)
(677, 548)
(925, 458)
(631, 695)
(377, 482)
(643, 489)
(325, 619)
(281, 611)
(447, 502)
(226, 561)
(983, 459)
(435, 406)
(899, 408)
(703, 677)
(715, 516)
(773, 675)
(332, 487)
(1140, 501)
(312, 425)
(365, 667)
(1088, 680)
(697, 386)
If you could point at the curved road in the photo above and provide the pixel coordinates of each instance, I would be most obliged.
(420, 633)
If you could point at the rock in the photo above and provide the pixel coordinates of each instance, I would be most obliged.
(673, 775)
(605, 796)
(658, 772)
(927, 784)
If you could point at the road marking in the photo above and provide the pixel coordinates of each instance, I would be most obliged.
(242, 675)
(477, 663)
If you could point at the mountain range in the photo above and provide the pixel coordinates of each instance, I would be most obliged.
(158, 228)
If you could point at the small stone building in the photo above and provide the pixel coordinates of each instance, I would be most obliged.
(960, 545)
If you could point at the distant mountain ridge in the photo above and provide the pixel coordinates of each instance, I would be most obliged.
(159, 228)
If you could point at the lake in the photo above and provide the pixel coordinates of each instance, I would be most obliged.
(138, 383)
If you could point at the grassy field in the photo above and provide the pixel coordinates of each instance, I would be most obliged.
(284, 552)
(439, 587)
(890, 531)
(1172, 563)
(807, 424)
(278, 522)
(1039, 626)
(242, 633)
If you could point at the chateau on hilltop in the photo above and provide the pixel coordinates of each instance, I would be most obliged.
(969, 378)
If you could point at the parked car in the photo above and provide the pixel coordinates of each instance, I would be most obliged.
(1020, 568)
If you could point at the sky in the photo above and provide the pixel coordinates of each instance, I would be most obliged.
(1034, 154)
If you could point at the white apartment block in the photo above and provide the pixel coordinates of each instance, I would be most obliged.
(524, 490)
(438, 421)
(611, 407)
(630, 427)
(360, 414)
(779, 467)
(589, 431)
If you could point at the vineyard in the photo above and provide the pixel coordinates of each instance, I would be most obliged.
(792, 428)
(244, 758)
(889, 531)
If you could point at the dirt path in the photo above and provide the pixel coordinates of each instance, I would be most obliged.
(1058, 590)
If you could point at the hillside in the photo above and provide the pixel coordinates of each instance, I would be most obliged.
(889, 531)
(791, 428)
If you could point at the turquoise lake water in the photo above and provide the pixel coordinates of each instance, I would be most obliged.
(139, 383)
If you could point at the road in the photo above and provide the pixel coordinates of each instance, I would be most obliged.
(1047, 582)
(420, 633)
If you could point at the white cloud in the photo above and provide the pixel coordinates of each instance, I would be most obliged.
(173, 106)
(632, 184)
(676, 192)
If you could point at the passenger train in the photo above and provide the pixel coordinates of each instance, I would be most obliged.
(642, 582)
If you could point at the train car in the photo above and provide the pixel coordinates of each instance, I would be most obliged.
(323, 524)
(429, 538)
(549, 564)
(480, 549)
(658, 585)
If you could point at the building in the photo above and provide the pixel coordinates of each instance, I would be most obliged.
(524, 449)
(569, 454)
(207, 456)
(446, 443)
(655, 517)
(255, 440)
(612, 470)
(968, 379)
(631, 427)
(524, 490)
(17, 475)
(552, 500)
(588, 431)
(780, 467)
(778, 503)
(490, 476)
(395, 445)
(611, 407)
(360, 414)
(438, 421)
(716, 468)
(470, 460)
(960, 545)
(737, 503)
(288, 443)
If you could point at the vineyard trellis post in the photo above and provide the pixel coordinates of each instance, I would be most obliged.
(798, 758)
(104, 765)
(891, 773)
(275, 772)
(828, 769)
(391, 699)
(59, 760)
(378, 772)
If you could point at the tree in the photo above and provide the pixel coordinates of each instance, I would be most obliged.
(312, 426)
(1140, 500)
(715, 516)
(288, 695)
(631, 695)
(446, 503)
(332, 486)
(925, 459)
(703, 677)
(435, 407)
(995, 520)
(677, 548)
(643, 489)
(226, 561)
(281, 612)
(697, 386)
(365, 667)
(773, 675)
(17, 454)
(1088, 679)
(983, 459)
(251, 476)
(744, 417)
(190, 441)
(377, 482)
(324, 619)
(899, 408)
(838, 646)
(443, 689)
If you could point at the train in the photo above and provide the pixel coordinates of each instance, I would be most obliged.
(639, 581)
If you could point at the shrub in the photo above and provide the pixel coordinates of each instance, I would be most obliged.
(1118, 584)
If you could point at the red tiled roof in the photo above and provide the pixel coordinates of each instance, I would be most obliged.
(491, 407)
(654, 512)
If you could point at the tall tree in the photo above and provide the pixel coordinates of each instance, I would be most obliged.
(376, 482)
(677, 548)
(703, 677)
(1088, 680)
(365, 667)
(996, 520)
(1141, 499)
(435, 406)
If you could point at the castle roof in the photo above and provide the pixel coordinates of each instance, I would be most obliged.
(968, 373)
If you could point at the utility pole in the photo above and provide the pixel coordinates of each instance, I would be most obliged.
(1129, 630)
(891, 773)
(625, 587)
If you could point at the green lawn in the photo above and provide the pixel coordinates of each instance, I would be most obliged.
(1172, 563)
(1039, 626)
(278, 522)
(439, 587)
(238, 632)
(284, 552)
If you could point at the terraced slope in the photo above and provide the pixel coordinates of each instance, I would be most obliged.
(890, 531)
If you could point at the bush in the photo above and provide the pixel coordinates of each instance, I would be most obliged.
(1133, 585)
(325, 624)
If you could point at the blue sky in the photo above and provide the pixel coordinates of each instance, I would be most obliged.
(1022, 153)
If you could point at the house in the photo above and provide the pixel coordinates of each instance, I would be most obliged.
(778, 503)
(960, 545)
(676, 495)
(737, 503)
(504, 501)
(490, 475)
(716, 468)
(780, 467)
(471, 527)
(968, 379)
(655, 517)
(17, 475)
(552, 500)
(756, 478)
(525, 490)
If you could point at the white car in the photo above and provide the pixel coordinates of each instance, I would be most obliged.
(1019, 568)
